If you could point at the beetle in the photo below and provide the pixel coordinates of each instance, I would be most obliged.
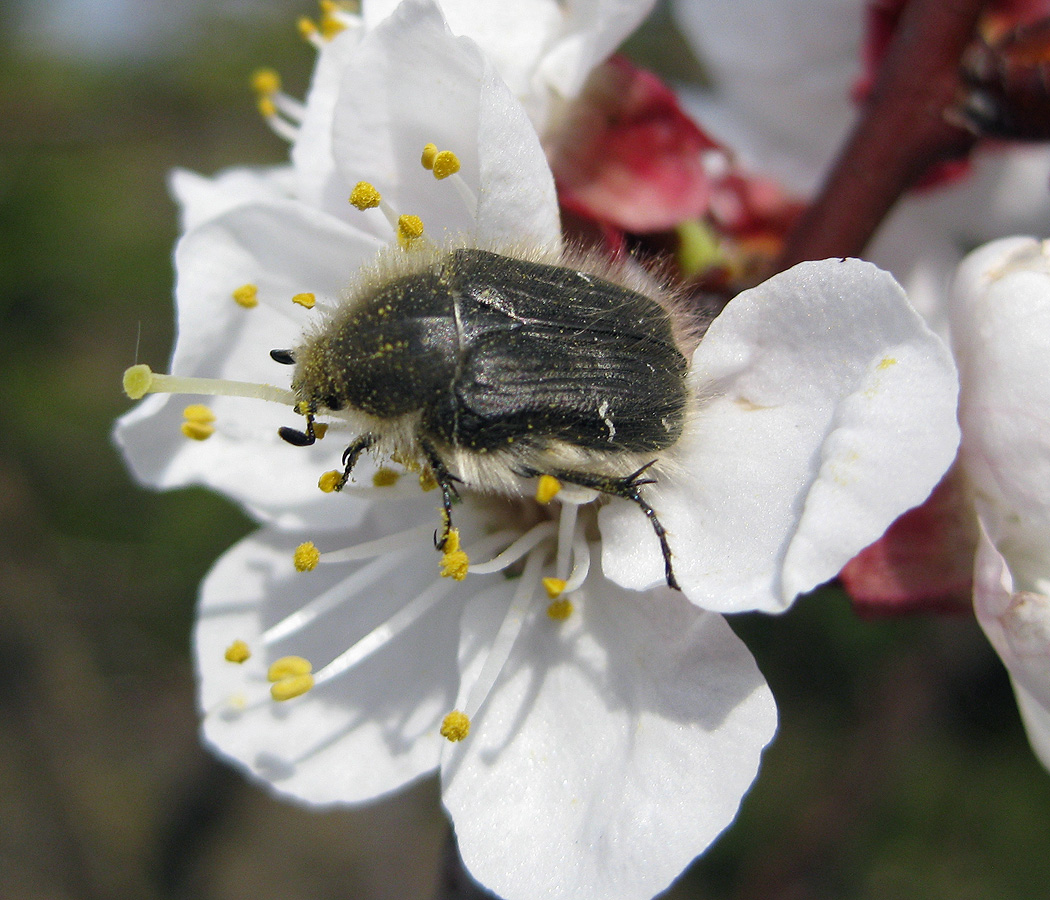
(491, 368)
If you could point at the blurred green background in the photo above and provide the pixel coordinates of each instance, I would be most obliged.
(901, 768)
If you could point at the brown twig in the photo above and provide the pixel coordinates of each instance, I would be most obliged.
(905, 127)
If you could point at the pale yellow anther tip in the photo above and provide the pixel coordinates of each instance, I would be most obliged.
(306, 26)
(288, 667)
(266, 81)
(267, 108)
(385, 477)
(560, 609)
(365, 196)
(306, 557)
(554, 587)
(329, 482)
(292, 686)
(137, 381)
(427, 158)
(547, 489)
(247, 295)
(307, 300)
(238, 652)
(198, 412)
(455, 726)
(445, 163)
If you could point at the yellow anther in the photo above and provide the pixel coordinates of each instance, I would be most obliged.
(320, 430)
(454, 562)
(560, 609)
(288, 667)
(331, 24)
(306, 26)
(427, 480)
(267, 108)
(445, 163)
(137, 381)
(547, 489)
(238, 652)
(247, 295)
(306, 299)
(385, 477)
(266, 81)
(198, 412)
(306, 557)
(409, 230)
(365, 196)
(197, 431)
(455, 726)
(554, 587)
(293, 686)
(427, 159)
(330, 480)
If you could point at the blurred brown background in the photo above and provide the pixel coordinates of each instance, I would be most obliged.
(901, 769)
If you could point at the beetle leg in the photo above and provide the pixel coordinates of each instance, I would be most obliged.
(449, 495)
(627, 488)
(350, 457)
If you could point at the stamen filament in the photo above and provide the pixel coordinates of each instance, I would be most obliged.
(581, 558)
(333, 597)
(141, 380)
(532, 538)
(566, 533)
(508, 633)
(410, 613)
(387, 544)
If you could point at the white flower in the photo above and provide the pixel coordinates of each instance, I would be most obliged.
(1000, 319)
(612, 734)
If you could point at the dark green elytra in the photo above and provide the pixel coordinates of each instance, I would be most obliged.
(492, 350)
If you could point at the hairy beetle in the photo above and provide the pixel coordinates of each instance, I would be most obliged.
(492, 368)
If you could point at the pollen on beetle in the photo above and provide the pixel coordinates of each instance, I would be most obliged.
(365, 196)
(288, 667)
(455, 726)
(554, 587)
(427, 159)
(547, 489)
(559, 610)
(306, 557)
(247, 295)
(409, 229)
(454, 562)
(329, 482)
(238, 652)
(292, 686)
(445, 163)
(385, 477)
(306, 300)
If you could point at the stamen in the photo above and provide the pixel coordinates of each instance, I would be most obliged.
(531, 539)
(379, 637)
(141, 380)
(554, 587)
(560, 609)
(566, 532)
(409, 230)
(380, 546)
(508, 633)
(365, 196)
(238, 652)
(547, 489)
(198, 424)
(455, 726)
(430, 151)
(385, 477)
(247, 295)
(306, 557)
(292, 686)
(329, 482)
(306, 300)
(288, 666)
(444, 164)
(330, 599)
(454, 562)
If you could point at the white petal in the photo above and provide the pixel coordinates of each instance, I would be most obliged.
(201, 198)
(367, 731)
(831, 412)
(1001, 332)
(614, 748)
(412, 83)
(284, 249)
(1018, 625)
